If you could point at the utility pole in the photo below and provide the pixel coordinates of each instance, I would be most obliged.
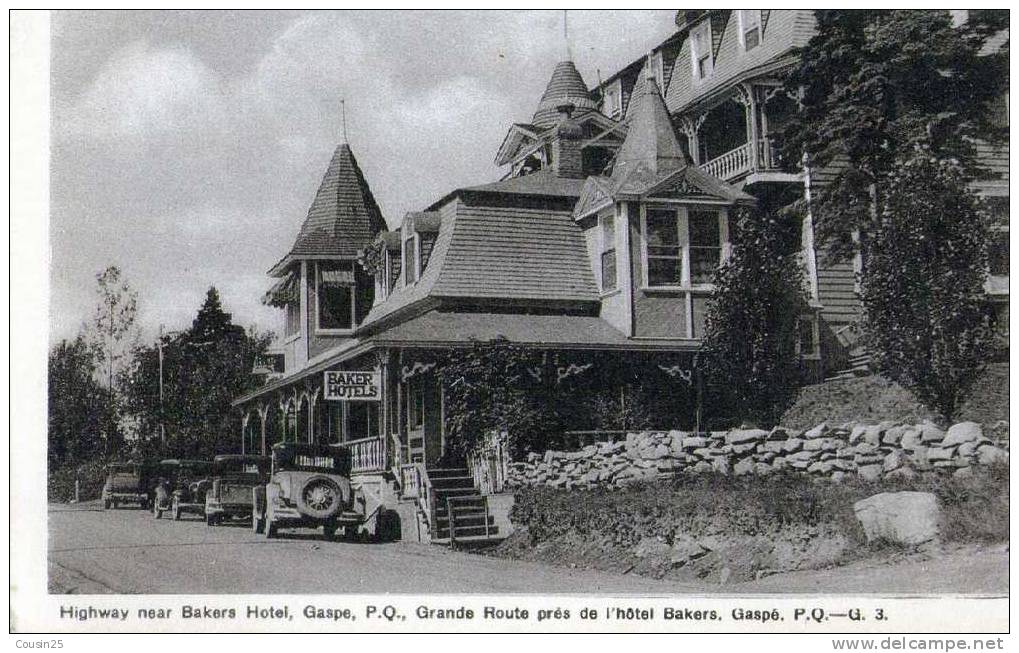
(162, 425)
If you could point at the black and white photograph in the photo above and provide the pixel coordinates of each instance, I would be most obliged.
(532, 303)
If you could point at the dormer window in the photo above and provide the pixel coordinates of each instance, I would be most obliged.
(749, 24)
(335, 296)
(608, 252)
(410, 260)
(700, 50)
(613, 105)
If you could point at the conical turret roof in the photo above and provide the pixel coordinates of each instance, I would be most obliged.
(565, 87)
(344, 216)
(651, 142)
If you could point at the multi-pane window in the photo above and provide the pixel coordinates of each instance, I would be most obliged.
(362, 419)
(683, 248)
(700, 50)
(608, 252)
(292, 323)
(335, 295)
(749, 28)
(705, 246)
(808, 340)
(664, 249)
(410, 266)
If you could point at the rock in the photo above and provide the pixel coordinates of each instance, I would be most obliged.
(909, 518)
(660, 451)
(818, 431)
(740, 449)
(720, 465)
(870, 472)
(651, 546)
(740, 436)
(856, 435)
(778, 433)
(694, 442)
(744, 467)
(989, 454)
(792, 445)
(963, 432)
(893, 461)
(935, 454)
(838, 476)
(865, 449)
(910, 439)
(967, 449)
(872, 434)
(702, 467)
(763, 469)
(929, 432)
(893, 435)
(963, 472)
(772, 446)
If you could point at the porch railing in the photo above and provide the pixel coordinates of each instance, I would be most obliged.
(367, 454)
(489, 462)
(732, 163)
(767, 156)
(415, 483)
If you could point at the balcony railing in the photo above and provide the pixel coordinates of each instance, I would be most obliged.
(740, 161)
(731, 164)
(367, 454)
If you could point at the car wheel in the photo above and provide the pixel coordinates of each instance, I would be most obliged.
(210, 520)
(257, 523)
(270, 530)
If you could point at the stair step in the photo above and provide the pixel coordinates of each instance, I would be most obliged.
(447, 472)
(452, 481)
(459, 492)
(467, 531)
(465, 521)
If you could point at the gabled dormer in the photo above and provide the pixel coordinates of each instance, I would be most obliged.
(321, 288)
(656, 229)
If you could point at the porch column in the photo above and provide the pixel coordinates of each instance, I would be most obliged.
(263, 413)
(384, 417)
(312, 400)
(745, 96)
(245, 418)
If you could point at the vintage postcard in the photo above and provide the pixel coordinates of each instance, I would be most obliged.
(689, 321)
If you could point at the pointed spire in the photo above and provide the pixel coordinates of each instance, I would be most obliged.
(567, 53)
(651, 139)
(344, 216)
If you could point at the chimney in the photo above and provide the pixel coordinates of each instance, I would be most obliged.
(567, 159)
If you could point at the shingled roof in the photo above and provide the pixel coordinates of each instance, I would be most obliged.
(344, 216)
(565, 87)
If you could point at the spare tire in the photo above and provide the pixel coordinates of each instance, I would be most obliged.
(320, 497)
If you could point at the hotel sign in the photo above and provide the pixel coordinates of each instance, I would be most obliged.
(358, 385)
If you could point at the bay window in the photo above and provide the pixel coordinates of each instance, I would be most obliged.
(683, 248)
(608, 252)
(334, 294)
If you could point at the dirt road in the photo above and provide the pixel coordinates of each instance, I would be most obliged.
(92, 551)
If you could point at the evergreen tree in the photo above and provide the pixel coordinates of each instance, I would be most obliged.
(749, 348)
(204, 369)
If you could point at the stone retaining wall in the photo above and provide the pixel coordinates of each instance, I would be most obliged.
(871, 451)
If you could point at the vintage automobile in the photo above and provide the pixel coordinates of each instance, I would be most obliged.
(310, 487)
(127, 482)
(182, 488)
(233, 477)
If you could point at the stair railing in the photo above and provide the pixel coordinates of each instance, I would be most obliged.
(414, 475)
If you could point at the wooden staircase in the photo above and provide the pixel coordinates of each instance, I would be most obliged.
(857, 365)
(455, 511)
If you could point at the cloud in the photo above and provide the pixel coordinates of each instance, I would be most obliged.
(143, 92)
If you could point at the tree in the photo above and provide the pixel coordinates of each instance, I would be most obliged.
(749, 348)
(872, 84)
(928, 320)
(889, 99)
(204, 369)
(113, 326)
(76, 410)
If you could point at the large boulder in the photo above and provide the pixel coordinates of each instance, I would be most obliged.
(961, 433)
(909, 518)
(743, 436)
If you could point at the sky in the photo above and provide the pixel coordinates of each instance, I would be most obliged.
(186, 147)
